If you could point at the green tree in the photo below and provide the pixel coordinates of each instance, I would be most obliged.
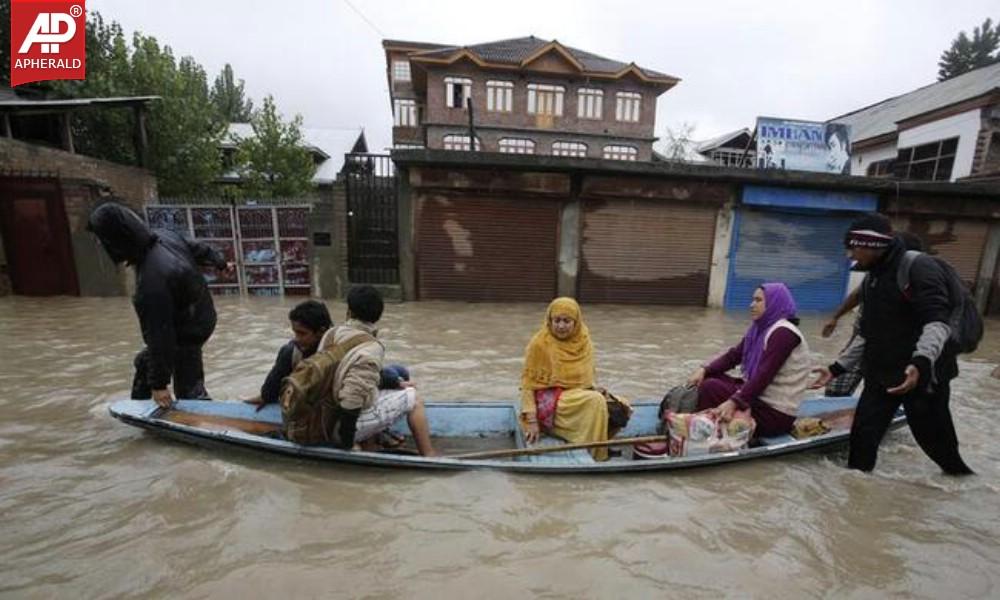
(229, 99)
(184, 132)
(102, 133)
(273, 162)
(966, 54)
(182, 128)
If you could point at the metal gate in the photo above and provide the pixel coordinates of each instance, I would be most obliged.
(372, 219)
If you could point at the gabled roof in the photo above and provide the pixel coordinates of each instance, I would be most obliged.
(520, 52)
(721, 140)
(328, 144)
(881, 118)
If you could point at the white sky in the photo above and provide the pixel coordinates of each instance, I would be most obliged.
(737, 60)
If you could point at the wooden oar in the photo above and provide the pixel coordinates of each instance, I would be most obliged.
(560, 448)
(215, 423)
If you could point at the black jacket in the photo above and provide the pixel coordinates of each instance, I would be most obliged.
(171, 299)
(288, 358)
(284, 364)
(892, 322)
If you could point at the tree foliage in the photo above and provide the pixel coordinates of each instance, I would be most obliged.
(273, 163)
(229, 99)
(183, 127)
(966, 54)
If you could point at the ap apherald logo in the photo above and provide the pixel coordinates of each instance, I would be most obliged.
(47, 40)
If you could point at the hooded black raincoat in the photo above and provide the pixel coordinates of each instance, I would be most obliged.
(172, 299)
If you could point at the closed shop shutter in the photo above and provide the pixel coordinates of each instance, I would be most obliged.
(959, 241)
(803, 250)
(646, 252)
(487, 250)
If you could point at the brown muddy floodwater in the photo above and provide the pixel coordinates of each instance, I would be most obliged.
(91, 508)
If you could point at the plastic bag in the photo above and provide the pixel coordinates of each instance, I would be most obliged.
(692, 434)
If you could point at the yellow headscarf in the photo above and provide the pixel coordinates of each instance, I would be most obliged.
(551, 362)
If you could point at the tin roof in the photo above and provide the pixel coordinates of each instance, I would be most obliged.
(881, 118)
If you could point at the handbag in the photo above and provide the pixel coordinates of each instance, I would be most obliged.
(619, 412)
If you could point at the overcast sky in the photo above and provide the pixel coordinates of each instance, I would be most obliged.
(737, 60)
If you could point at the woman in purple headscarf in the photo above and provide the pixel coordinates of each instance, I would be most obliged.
(774, 360)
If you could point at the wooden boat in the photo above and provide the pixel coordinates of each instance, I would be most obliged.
(462, 428)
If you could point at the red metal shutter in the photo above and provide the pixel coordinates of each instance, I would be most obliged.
(959, 241)
(646, 252)
(487, 250)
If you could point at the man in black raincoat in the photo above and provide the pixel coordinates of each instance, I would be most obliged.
(903, 347)
(171, 299)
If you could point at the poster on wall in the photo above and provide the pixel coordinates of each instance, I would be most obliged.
(168, 217)
(259, 251)
(228, 251)
(803, 146)
(292, 222)
(211, 222)
(256, 223)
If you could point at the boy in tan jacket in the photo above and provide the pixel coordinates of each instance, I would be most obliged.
(365, 410)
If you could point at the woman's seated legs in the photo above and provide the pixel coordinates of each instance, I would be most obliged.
(770, 421)
(716, 389)
(582, 416)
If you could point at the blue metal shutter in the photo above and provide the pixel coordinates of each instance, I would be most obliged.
(803, 250)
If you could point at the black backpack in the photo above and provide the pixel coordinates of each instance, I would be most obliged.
(965, 322)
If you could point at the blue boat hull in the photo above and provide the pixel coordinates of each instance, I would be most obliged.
(490, 422)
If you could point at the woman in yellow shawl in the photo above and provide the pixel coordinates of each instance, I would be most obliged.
(557, 385)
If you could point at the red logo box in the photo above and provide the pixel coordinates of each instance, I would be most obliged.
(48, 40)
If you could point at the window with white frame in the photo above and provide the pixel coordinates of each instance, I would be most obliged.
(400, 70)
(405, 113)
(577, 149)
(499, 96)
(627, 106)
(457, 91)
(617, 152)
(458, 142)
(589, 103)
(545, 99)
(408, 146)
(517, 146)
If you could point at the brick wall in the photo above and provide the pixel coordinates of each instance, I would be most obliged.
(134, 185)
(490, 140)
(85, 183)
(435, 112)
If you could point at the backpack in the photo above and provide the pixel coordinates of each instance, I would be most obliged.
(965, 321)
(308, 405)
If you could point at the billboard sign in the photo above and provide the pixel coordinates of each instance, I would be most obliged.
(803, 146)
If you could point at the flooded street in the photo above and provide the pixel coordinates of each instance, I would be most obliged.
(92, 508)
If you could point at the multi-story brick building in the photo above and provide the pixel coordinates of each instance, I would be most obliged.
(528, 96)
